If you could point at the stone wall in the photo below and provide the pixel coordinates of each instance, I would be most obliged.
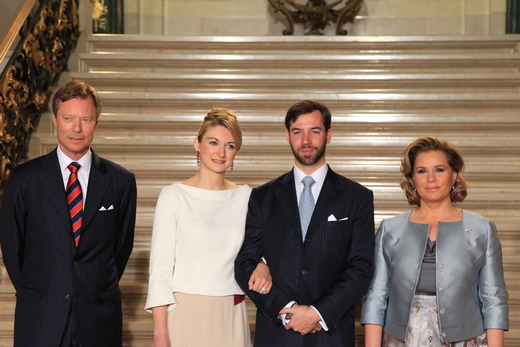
(256, 18)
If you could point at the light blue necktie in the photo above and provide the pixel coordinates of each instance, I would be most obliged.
(306, 205)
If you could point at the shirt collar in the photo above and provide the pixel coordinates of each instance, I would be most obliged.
(84, 161)
(318, 175)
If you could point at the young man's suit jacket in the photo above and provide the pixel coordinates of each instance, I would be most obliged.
(49, 273)
(331, 270)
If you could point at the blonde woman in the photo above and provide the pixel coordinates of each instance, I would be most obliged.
(198, 230)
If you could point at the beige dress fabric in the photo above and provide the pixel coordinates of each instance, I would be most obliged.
(208, 321)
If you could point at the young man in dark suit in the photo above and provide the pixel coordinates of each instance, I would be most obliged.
(315, 230)
(66, 230)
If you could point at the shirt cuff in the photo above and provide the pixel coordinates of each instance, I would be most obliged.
(322, 322)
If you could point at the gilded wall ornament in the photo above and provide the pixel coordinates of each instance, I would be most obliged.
(318, 14)
(48, 38)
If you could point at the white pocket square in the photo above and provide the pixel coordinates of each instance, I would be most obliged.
(331, 218)
(346, 218)
(110, 208)
(102, 208)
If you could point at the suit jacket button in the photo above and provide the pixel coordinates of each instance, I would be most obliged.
(303, 272)
(67, 296)
(75, 263)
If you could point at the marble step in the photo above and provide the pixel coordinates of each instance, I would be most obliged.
(346, 107)
(303, 44)
(304, 63)
(298, 82)
(132, 102)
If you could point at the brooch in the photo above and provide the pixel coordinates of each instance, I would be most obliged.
(467, 230)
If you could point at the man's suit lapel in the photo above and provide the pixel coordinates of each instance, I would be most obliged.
(286, 195)
(329, 195)
(52, 179)
(98, 183)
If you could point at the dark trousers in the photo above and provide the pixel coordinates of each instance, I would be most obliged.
(70, 335)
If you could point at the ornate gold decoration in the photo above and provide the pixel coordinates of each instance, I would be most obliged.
(318, 14)
(99, 9)
(28, 79)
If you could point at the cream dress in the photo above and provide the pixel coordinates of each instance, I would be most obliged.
(197, 234)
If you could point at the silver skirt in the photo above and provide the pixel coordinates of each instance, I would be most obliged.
(423, 328)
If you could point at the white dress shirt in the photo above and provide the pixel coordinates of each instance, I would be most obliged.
(318, 176)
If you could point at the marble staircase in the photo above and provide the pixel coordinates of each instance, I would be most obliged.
(383, 93)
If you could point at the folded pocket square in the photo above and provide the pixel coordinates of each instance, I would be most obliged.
(110, 208)
(102, 208)
(346, 218)
(331, 218)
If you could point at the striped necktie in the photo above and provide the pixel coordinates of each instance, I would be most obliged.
(75, 200)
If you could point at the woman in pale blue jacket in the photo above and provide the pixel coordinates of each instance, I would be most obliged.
(438, 269)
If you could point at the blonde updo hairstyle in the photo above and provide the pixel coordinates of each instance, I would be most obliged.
(428, 144)
(225, 118)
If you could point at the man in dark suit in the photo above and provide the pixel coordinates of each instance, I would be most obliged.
(319, 271)
(66, 230)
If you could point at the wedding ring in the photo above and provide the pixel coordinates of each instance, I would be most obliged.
(264, 290)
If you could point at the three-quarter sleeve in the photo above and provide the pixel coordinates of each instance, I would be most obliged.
(162, 255)
(376, 299)
(492, 288)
